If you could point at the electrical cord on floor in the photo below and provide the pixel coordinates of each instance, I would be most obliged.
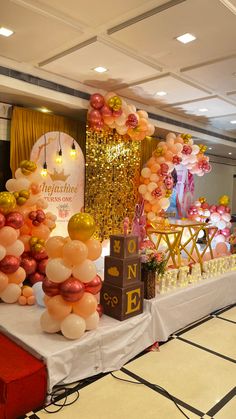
(155, 386)
(61, 394)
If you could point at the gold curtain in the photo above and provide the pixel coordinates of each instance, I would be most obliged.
(148, 145)
(28, 125)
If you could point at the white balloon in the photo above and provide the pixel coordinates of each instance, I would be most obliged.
(142, 189)
(16, 249)
(21, 183)
(56, 271)
(49, 324)
(151, 186)
(2, 252)
(11, 293)
(73, 326)
(92, 321)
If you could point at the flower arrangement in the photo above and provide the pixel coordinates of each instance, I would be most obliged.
(153, 261)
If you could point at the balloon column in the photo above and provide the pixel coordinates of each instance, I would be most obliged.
(71, 282)
(217, 215)
(113, 112)
(175, 150)
(23, 206)
(12, 274)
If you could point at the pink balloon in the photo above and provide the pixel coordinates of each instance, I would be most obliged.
(97, 101)
(8, 236)
(225, 232)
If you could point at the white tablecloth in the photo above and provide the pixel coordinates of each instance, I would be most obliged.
(178, 308)
(114, 343)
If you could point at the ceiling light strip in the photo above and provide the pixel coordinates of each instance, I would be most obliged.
(68, 51)
(144, 15)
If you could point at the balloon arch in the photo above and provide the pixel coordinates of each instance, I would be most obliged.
(174, 151)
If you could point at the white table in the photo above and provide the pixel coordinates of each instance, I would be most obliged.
(114, 343)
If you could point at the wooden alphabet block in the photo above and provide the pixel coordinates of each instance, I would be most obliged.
(122, 272)
(123, 246)
(122, 303)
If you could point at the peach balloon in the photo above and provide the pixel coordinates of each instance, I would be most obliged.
(49, 324)
(73, 326)
(54, 246)
(58, 308)
(155, 168)
(150, 162)
(74, 252)
(94, 249)
(2, 252)
(169, 155)
(25, 230)
(85, 271)
(42, 232)
(221, 248)
(25, 238)
(16, 249)
(27, 291)
(142, 189)
(154, 177)
(86, 305)
(17, 277)
(147, 206)
(11, 293)
(57, 271)
(146, 181)
(92, 321)
(146, 172)
(22, 300)
(3, 281)
(8, 236)
(31, 300)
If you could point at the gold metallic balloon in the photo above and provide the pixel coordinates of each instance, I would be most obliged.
(7, 202)
(224, 200)
(81, 226)
(28, 167)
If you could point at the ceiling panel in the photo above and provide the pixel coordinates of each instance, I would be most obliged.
(220, 76)
(35, 35)
(224, 123)
(96, 13)
(79, 66)
(215, 106)
(210, 21)
(232, 96)
(177, 90)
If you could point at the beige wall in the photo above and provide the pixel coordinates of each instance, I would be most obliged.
(218, 182)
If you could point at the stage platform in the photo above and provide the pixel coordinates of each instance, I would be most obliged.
(114, 343)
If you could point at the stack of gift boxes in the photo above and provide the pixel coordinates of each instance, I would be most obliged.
(122, 291)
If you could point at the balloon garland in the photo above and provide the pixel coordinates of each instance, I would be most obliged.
(175, 150)
(24, 227)
(218, 216)
(110, 111)
(71, 282)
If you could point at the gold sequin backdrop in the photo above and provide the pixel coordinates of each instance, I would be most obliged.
(112, 175)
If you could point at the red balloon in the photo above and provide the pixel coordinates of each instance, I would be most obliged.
(100, 310)
(15, 220)
(50, 288)
(72, 290)
(226, 232)
(9, 264)
(213, 208)
(97, 101)
(94, 116)
(36, 277)
(106, 111)
(2, 220)
(42, 266)
(220, 209)
(42, 254)
(94, 286)
(118, 113)
(227, 210)
(29, 265)
(32, 215)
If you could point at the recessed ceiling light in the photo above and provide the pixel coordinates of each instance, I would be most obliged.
(233, 122)
(186, 38)
(161, 93)
(100, 69)
(209, 148)
(230, 154)
(203, 110)
(44, 110)
(6, 32)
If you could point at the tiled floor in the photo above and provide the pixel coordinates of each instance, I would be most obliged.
(197, 367)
